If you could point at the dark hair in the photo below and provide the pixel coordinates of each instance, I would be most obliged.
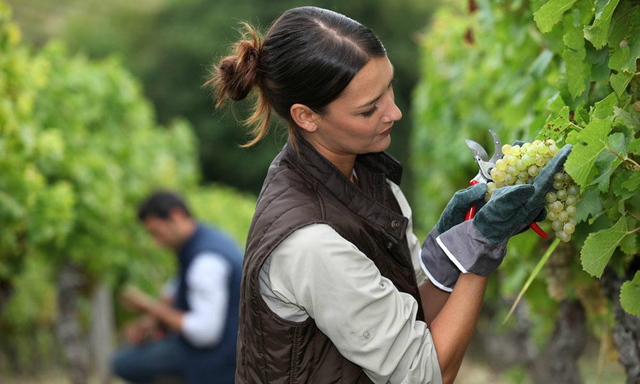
(160, 203)
(309, 56)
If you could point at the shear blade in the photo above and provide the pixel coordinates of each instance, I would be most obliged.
(477, 150)
(497, 147)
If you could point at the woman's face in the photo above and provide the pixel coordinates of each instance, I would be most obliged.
(360, 120)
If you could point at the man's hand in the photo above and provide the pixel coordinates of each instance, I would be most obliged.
(140, 329)
(136, 300)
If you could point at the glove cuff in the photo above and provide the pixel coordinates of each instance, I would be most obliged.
(436, 265)
(470, 251)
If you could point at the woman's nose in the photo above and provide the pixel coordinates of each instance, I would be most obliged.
(393, 114)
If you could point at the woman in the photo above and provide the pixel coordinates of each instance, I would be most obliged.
(332, 286)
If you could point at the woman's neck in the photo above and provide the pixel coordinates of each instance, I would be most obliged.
(344, 162)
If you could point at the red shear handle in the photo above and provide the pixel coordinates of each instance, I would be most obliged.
(538, 230)
(472, 212)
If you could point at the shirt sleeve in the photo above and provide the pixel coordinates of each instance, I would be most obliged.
(169, 288)
(370, 322)
(208, 296)
(414, 244)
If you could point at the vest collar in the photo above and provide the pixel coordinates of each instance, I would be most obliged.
(368, 200)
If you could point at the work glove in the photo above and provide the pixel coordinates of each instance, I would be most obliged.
(479, 245)
(439, 269)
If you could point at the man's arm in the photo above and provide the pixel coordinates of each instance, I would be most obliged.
(159, 309)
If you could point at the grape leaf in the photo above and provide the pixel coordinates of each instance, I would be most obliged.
(604, 107)
(585, 10)
(628, 245)
(607, 162)
(617, 184)
(551, 13)
(633, 183)
(592, 141)
(634, 147)
(590, 205)
(620, 81)
(598, 32)
(627, 51)
(628, 119)
(630, 295)
(599, 60)
(555, 128)
(599, 246)
(574, 54)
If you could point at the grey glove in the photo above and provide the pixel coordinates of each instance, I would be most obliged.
(479, 245)
(440, 270)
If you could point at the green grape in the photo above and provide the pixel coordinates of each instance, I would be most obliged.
(569, 228)
(520, 182)
(511, 160)
(551, 215)
(573, 221)
(566, 178)
(556, 225)
(525, 147)
(533, 170)
(572, 190)
(551, 197)
(571, 200)
(527, 160)
(501, 165)
(561, 194)
(491, 186)
(520, 165)
(512, 170)
(500, 175)
(558, 185)
(572, 210)
(493, 173)
(557, 206)
(509, 179)
(523, 175)
(565, 237)
(563, 216)
(515, 150)
(506, 149)
(553, 150)
(540, 161)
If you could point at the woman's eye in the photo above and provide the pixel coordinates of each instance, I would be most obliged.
(370, 112)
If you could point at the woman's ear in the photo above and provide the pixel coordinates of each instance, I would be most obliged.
(304, 117)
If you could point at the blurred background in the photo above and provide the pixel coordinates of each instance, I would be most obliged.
(102, 102)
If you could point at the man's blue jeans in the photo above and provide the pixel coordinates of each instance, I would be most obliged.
(151, 361)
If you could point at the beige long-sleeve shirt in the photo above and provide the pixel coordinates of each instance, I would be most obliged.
(316, 272)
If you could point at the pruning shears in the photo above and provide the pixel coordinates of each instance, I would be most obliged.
(486, 164)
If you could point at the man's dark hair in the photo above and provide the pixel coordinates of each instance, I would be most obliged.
(160, 203)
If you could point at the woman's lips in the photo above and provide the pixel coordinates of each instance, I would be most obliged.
(387, 132)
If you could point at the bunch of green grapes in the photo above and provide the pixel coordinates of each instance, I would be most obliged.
(558, 270)
(520, 164)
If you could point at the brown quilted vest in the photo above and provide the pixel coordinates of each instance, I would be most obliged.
(300, 190)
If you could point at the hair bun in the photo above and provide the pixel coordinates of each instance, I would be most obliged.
(235, 76)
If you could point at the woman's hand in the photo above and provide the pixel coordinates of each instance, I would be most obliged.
(479, 245)
(441, 271)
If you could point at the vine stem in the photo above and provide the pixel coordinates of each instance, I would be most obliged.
(633, 231)
(634, 215)
(623, 159)
(533, 275)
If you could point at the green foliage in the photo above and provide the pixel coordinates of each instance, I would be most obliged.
(566, 70)
(80, 149)
(629, 295)
(170, 45)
